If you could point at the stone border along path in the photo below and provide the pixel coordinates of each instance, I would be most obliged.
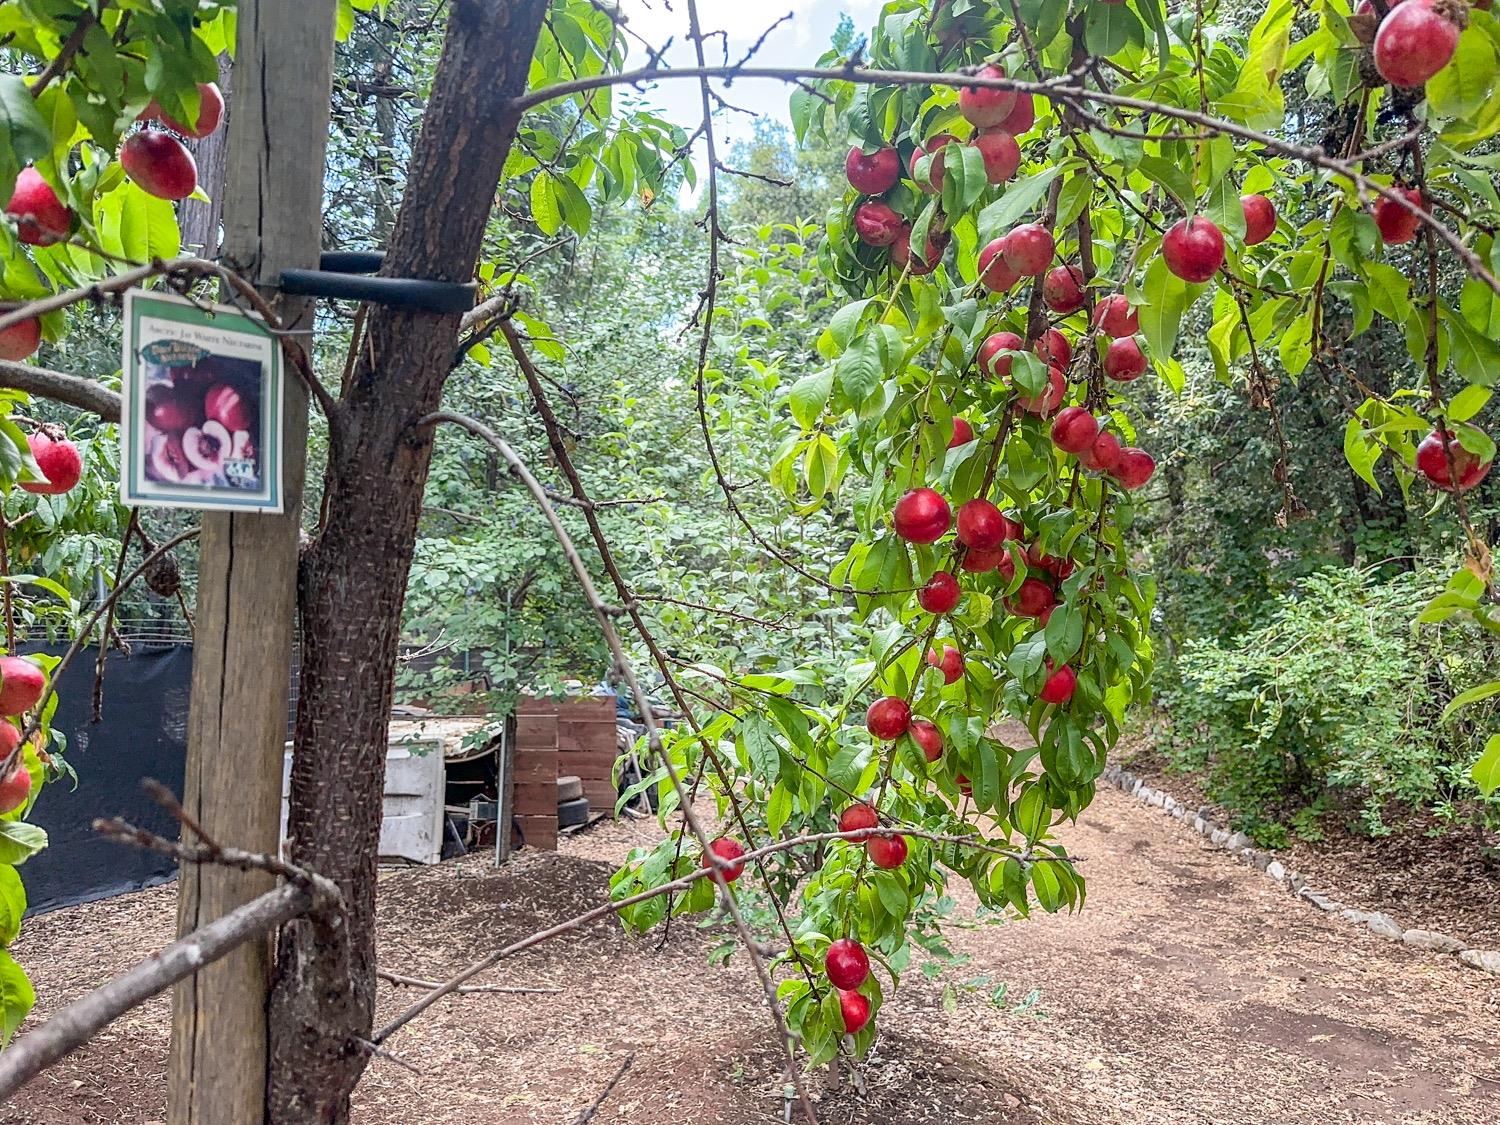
(1241, 846)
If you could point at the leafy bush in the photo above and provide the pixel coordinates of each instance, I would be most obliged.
(1335, 702)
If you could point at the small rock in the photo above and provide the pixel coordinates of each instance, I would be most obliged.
(1206, 812)
(1219, 836)
(1168, 803)
(1358, 917)
(1158, 799)
(1135, 787)
(1385, 926)
(1431, 939)
(1322, 901)
(1486, 959)
(1257, 859)
(1295, 881)
(1275, 868)
(1239, 842)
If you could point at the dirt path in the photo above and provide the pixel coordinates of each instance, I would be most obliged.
(1190, 991)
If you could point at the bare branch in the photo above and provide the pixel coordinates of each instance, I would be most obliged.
(417, 982)
(75, 1024)
(72, 390)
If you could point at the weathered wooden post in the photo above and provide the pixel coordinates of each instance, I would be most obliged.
(273, 190)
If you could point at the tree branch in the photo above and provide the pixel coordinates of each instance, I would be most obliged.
(1053, 91)
(76, 1023)
(72, 390)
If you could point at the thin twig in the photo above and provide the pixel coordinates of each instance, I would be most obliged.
(588, 1113)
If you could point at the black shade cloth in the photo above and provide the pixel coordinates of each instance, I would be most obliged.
(144, 734)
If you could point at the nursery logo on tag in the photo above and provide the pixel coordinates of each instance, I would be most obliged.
(173, 353)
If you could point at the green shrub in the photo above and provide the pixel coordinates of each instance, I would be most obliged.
(1334, 703)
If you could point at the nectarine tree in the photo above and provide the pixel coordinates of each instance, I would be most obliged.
(1038, 195)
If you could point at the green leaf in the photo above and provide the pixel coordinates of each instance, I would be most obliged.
(12, 903)
(16, 996)
(1020, 197)
(1110, 29)
(546, 211)
(1486, 771)
(1168, 297)
(1473, 695)
(1468, 81)
(808, 397)
(1360, 452)
(1467, 403)
(20, 841)
(859, 369)
(24, 134)
(148, 225)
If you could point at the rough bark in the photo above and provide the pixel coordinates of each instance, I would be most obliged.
(353, 578)
(200, 220)
(247, 574)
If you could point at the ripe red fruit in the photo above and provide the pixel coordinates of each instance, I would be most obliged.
(926, 735)
(981, 562)
(42, 217)
(922, 516)
(1029, 249)
(994, 271)
(16, 786)
(983, 106)
(210, 113)
(1062, 289)
(941, 594)
(21, 339)
(10, 738)
(1116, 317)
(888, 718)
(1060, 686)
(982, 526)
(729, 851)
(1074, 429)
(1050, 398)
(901, 254)
(1193, 249)
(963, 433)
(950, 661)
(991, 360)
(859, 816)
(1032, 599)
(1022, 118)
(1002, 156)
(935, 172)
(847, 964)
(59, 462)
(1414, 42)
(1053, 349)
(873, 173)
(1124, 361)
(159, 164)
(1432, 463)
(886, 852)
(1059, 568)
(1396, 223)
(1260, 218)
(1104, 454)
(854, 1009)
(21, 685)
(877, 224)
(1135, 468)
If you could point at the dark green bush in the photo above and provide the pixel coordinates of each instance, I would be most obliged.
(1334, 704)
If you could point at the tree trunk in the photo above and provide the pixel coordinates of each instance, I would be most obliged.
(353, 578)
(237, 724)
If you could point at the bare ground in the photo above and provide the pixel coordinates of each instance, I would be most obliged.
(1190, 990)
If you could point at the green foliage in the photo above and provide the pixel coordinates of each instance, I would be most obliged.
(1338, 696)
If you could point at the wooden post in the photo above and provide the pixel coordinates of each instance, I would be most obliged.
(237, 727)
